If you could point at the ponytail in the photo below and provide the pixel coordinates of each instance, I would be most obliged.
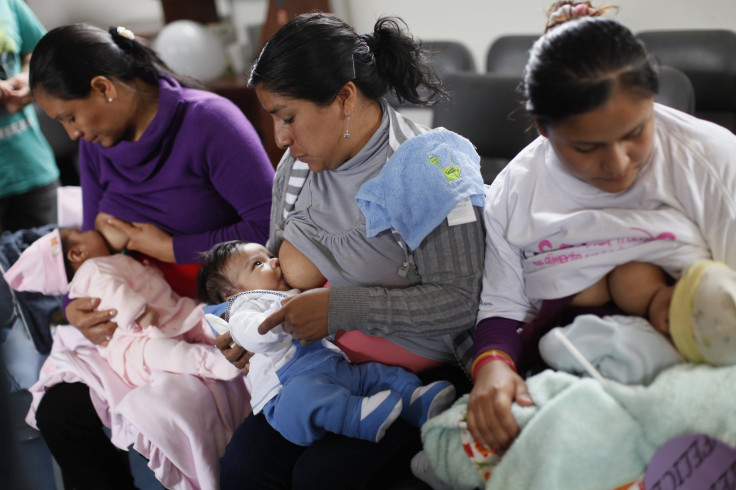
(401, 61)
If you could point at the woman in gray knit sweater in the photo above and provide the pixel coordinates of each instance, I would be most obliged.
(393, 299)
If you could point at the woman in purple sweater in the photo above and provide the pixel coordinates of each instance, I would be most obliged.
(179, 169)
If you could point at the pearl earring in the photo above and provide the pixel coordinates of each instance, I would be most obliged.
(347, 127)
(110, 99)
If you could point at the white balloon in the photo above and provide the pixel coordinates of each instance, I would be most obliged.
(189, 48)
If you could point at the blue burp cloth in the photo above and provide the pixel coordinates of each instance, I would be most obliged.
(420, 184)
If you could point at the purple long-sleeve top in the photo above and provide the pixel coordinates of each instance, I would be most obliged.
(199, 172)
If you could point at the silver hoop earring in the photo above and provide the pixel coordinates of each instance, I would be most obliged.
(347, 127)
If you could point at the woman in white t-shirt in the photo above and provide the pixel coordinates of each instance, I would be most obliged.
(614, 178)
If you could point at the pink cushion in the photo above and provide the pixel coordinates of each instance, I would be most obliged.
(361, 348)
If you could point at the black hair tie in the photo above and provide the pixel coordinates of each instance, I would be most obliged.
(370, 40)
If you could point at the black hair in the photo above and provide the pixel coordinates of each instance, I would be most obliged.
(575, 67)
(212, 286)
(314, 55)
(67, 58)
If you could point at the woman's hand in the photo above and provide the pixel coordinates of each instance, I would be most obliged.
(238, 357)
(146, 238)
(304, 316)
(489, 408)
(95, 325)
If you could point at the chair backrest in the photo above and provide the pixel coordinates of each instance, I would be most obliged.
(509, 54)
(443, 57)
(675, 90)
(448, 56)
(708, 58)
(486, 108)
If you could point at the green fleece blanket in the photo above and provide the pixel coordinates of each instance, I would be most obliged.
(582, 434)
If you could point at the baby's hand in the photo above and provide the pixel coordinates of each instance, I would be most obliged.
(659, 309)
(116, 239)
(149, 318)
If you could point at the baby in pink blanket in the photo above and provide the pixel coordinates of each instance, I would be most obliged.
(158, 330)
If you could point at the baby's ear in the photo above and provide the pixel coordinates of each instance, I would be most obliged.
(76, 254)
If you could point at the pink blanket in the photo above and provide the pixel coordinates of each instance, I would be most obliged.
(180, 423)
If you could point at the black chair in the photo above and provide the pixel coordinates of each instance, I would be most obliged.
(508, 54)
(675, 90)
(448, 56)
(708, 58)
(486, 108)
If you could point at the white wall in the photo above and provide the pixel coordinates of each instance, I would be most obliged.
(144, 17)
(473, 22)
(53, 13)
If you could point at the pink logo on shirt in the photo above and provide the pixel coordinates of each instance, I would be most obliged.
(590, 249)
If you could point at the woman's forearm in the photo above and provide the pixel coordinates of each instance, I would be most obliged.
(498, 333)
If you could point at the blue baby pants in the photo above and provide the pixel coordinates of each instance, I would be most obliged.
(327, 397)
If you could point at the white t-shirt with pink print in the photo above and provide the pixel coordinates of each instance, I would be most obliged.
(550, 235)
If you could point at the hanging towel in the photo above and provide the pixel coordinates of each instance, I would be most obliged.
(420, 184)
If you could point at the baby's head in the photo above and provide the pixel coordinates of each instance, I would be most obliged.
(235, 266)
(50, 262)
(703, 313)
(78, 246)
